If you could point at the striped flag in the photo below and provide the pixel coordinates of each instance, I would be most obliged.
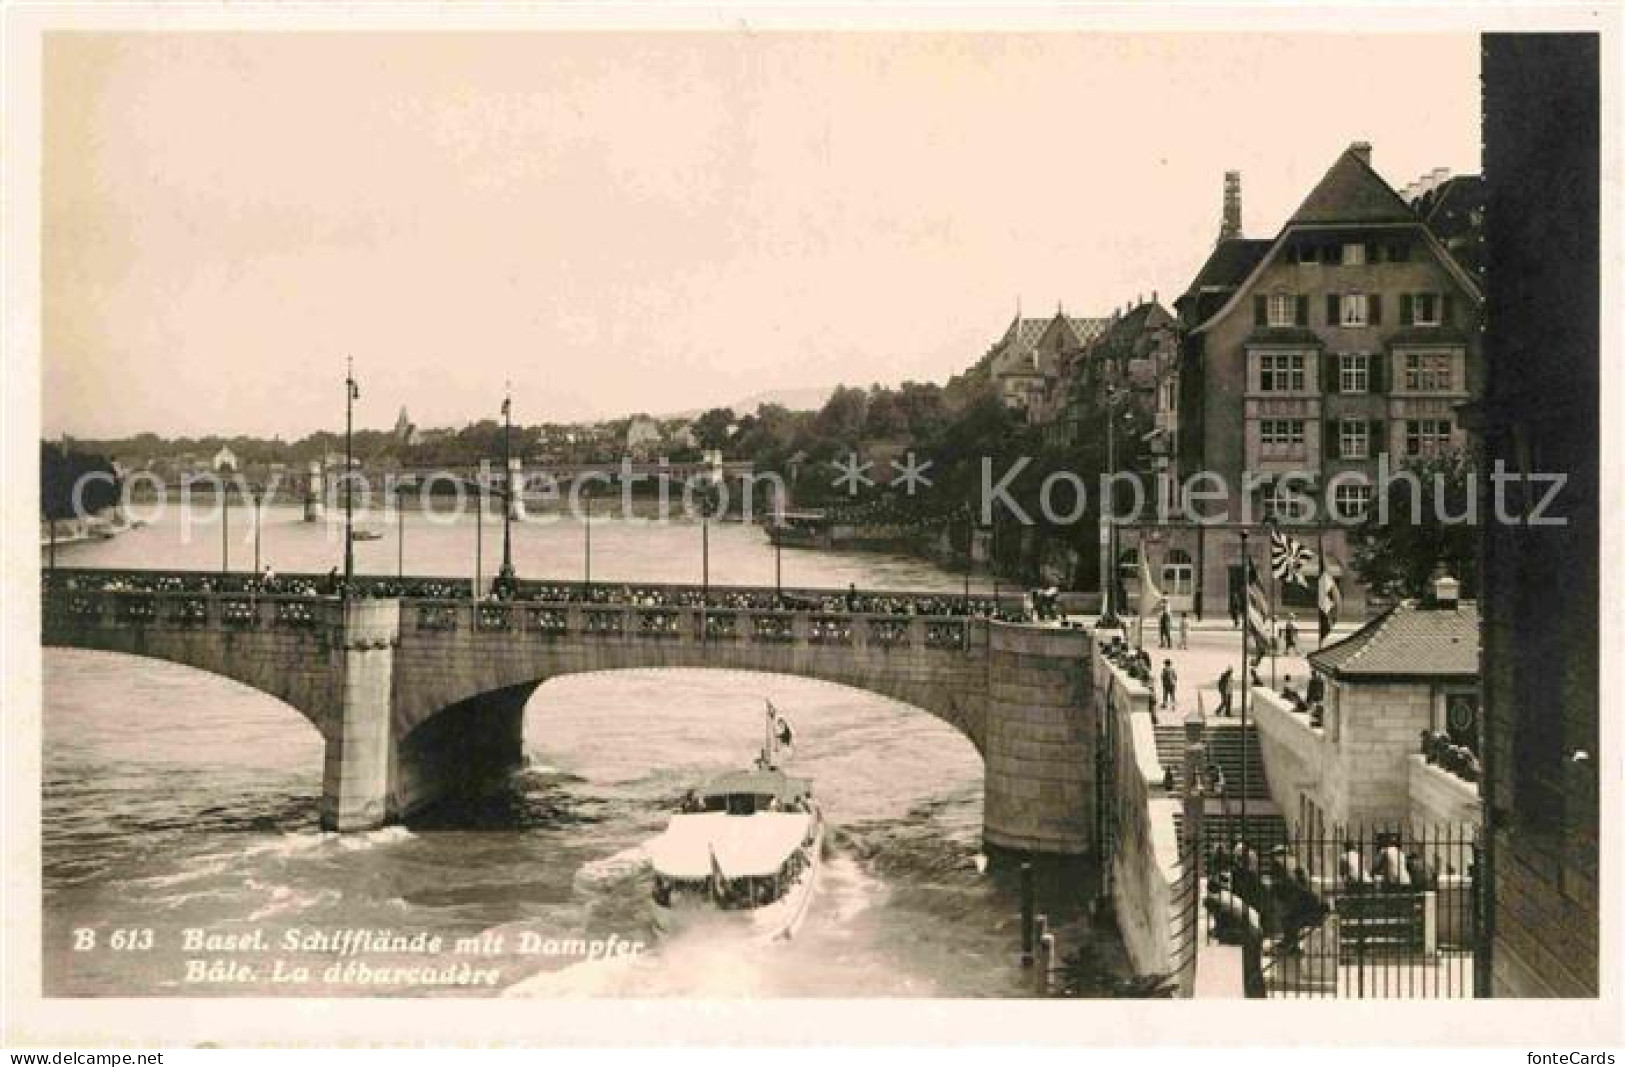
(1258, 611)
(1330, 599)
(1289, 558)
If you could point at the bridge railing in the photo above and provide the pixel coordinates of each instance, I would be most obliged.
(633, 623)
(540, 619)
(168, 609)
(609, 594)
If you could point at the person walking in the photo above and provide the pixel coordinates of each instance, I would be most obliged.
(1289, 633)
(1227, 682)
(1184, 629)
(1170, 684)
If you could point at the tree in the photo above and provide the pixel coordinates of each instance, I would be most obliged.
(62, 471)
(711, 428)
(1430, 518)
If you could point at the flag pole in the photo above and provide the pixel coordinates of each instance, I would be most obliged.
(1325, 572)
(1246, 673)
(1275, 630)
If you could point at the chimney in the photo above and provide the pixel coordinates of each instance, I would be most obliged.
(1363, 150)
(1440, 176)
(1446, 590)
(1230, 224)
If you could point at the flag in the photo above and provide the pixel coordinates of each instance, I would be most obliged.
(1150, 595)
(781, 735)
(507, 406)
(355, 390)
(1289, 558)
(1330, 599)
(1258, 611)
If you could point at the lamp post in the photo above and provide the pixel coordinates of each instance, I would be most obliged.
(400, 536)
(778, 550)
(505, 576)
(352, 393)
(259, 496)
(1108, 572)
(479, 534)
(225, 525)
(587, 531)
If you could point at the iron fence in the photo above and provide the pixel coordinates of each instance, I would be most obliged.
(1383, 912)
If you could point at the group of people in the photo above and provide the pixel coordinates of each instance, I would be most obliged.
(1249, 900)
(1166, 627)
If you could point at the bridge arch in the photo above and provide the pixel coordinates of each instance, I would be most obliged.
(372, 672)
(291, 669)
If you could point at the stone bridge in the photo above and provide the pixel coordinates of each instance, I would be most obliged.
(419, 698)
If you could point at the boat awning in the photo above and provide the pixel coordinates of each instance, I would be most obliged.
(746, 846)
(771, 784)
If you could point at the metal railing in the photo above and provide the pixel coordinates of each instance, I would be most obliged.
(1385, 912)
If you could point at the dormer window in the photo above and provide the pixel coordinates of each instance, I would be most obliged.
(1283, 309)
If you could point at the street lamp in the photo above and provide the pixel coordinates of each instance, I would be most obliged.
(505, 577)
(352, 393)
(400, 535)
(586, 496)
(1108, 572)
(778, 549)
(258, 492)
(225, 523)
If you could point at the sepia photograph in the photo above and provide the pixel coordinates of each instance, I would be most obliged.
(791, 512)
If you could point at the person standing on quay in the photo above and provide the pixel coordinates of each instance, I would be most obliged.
(1165, 626)
(1184, 629)
(1170, 684)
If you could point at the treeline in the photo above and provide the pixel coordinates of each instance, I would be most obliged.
(61, 470)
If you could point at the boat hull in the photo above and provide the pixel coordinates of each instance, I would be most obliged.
(775, 921)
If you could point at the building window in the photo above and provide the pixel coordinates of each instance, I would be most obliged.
(1177, 572)
(1281, 433)
(1280, 372)
(1354, 255)
(1354, 373)
(1426, 437)
(1426, 309)
(1354, 309)
(1283, 309)
(1284, 504)
(1427, 372)
(1352, 502)
(1353, 439)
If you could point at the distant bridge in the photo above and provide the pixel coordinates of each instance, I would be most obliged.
(422, 696)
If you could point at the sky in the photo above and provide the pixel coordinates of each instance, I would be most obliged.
(626, 222)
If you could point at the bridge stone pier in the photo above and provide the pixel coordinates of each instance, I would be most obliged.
(419, 699)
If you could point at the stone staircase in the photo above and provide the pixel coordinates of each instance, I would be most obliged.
(1225, 741)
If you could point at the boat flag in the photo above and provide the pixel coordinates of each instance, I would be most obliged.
(1330, 600)
(780, 733)
(1289, 558)
(719, 881)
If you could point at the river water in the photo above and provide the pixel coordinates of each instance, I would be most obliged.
(179, 801)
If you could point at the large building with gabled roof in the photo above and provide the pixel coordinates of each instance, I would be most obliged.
(1349, 338)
